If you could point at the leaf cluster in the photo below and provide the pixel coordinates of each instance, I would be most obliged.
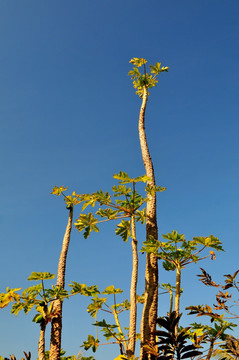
(124, 204)
(179, 252)
(143, 80)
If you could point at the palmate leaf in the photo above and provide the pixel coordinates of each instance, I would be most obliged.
(152, 189)
(41, 276)
(57, 190)
(151, 246)
(83, 289)
(174, 236)
(108, 213)
(86, 222)
(10, 296)
(124, 178)
(57, 292)
(27, 306)
(138, 61)
(103, 197)
(210, 241)
(73, 199)
(95, 306)
(111, 290)
(32, 291)
(156, 69)
(91, 343)
(121, 190)
(123, 229)
(140, 216)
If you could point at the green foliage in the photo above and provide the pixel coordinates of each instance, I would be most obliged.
(83, 289)
(124, 178)
(145, 80)
(91, 343)
(86, 222)
(177, 251)
(57, 190)
(10, 296)
(111, 290)
(151, 246)
(123, 229)
(41, 276)
(125, 203)
(95, 306)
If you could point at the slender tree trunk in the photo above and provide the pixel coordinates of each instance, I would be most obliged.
(149, 316)
(41, 342)
(133, 290)
(177, 292)
(56, 324)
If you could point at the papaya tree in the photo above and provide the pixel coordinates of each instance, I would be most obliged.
(127, 207)
(177, 252)
(142, 82)
(56, 324)
(35, 297)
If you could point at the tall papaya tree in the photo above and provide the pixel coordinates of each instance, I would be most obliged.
(142, 82)
(56, 324)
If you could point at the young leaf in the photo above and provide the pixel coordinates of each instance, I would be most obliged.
(57, 190)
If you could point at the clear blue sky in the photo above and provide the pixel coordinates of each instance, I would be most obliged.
(69, 117)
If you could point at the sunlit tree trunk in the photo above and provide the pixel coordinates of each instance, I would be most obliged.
(149, 316)
(41, 342)
(177, 292)
(133, 289)
(56, 324)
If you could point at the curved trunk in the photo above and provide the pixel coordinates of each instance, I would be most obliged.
(149, 316)
(133, 289)
(56, 324)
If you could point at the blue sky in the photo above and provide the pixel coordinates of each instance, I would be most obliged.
(69, 117)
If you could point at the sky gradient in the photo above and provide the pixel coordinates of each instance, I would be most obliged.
(69, 117)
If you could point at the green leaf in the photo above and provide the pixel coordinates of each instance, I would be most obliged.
(140, 216)
(95, 306)
(41, 276)
(86, 222)
(83, 289)
(121, 190)
(151, 246)
(112, 290)
(9, 296)
(123, 229)
(108, 213)
(91, 343)
(57, 190)
(138, 61)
